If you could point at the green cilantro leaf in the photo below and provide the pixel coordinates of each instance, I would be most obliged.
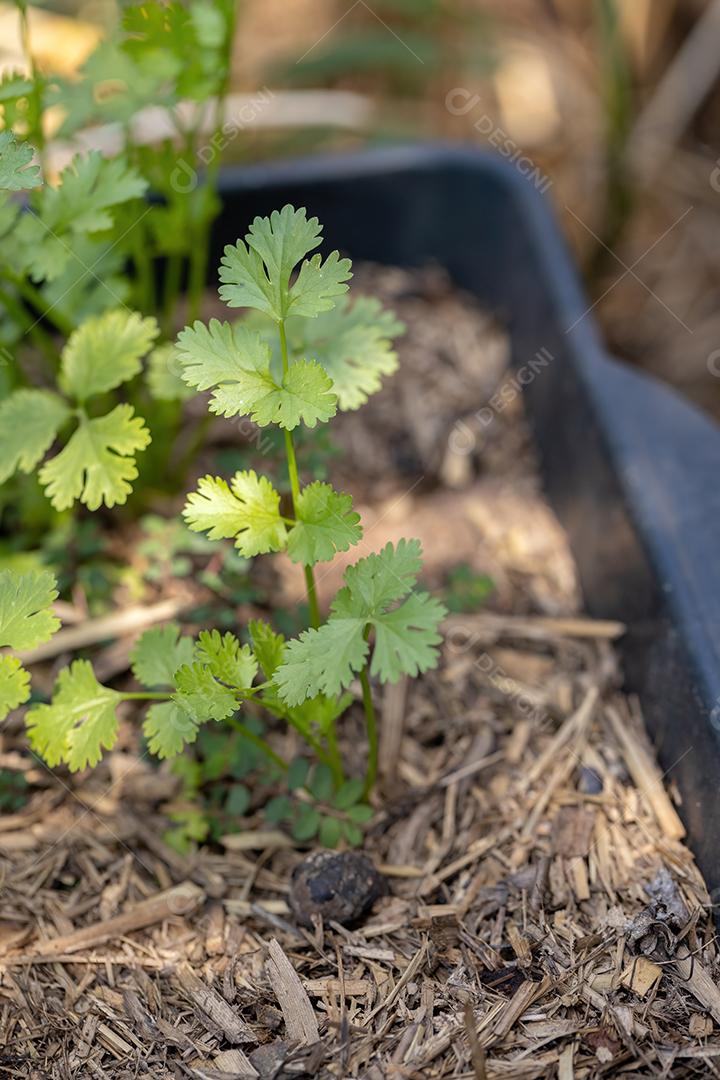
(352, 343)
(80, 721)
(29, 423)
(326, 524)
(228, 660)
(16, 172)
(306, 396)
(163, 375)
(268, 646)
(104, 352)
(257, 273)
(377, 580)
(97, 464)
(235, 363)
(158, 653)
(322, 661)
(14, 685)
(168, 729)
(25, 616)
(248, 510)
(201, 696)
(90, 188)
(406, 637)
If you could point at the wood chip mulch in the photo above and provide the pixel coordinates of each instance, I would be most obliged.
(543, 916)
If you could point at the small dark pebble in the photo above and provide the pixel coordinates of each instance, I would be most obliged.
(341, 886)
(589, 782)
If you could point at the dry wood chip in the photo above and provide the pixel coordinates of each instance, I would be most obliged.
(698, 981)
(299, 1014)
(181, 900)
(641, 975)
(646, 775)
(212, 1005)
(573, 830)
(236, 1064)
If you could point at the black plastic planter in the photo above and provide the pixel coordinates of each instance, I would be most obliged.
(631, 469)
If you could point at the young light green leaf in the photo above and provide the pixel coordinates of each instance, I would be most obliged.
(89, 190)
(79, 723)
(97, 464)
(201, 696)
(326, 524)
(29, 423)
(104, 352)
(305, 396)
(232, 361)
(407, 637)
(250, 512)
(235, 363)
(158, 653)
(374, 582)
(89, 187)
(14, 685)
(268, 646)
(257, 273)
(164, 374)
(25, 616)
(168, 729)
(16, 172)
(322, 661)
(229, 661)
(352, 343)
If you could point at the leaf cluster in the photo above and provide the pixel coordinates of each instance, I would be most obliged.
(97, 462)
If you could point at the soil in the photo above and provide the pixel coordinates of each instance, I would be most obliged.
(542, 916)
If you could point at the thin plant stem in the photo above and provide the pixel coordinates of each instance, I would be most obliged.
(145, 695)
(295, 489)
(171, 288)
(33, 296)
(201, 247)
(371, 727)
(259, 742)
(335, 761)
(37, 133)
(35, 331)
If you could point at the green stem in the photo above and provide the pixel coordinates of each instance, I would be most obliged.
(201, 246)
(335, 759)
(371, 726)
(295, 489)
(34, 331)
(143, 271)
(33, 296)
(258, 741)
(171, 288)
(145, 695)
(37, 134)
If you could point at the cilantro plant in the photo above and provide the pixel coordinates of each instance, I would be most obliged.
(302, 352)
(66, 249)
(25, 621)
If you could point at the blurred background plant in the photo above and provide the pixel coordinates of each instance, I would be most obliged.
(615, 102)
(610, 107)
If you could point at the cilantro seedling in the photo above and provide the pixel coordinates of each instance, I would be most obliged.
(380, 625)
